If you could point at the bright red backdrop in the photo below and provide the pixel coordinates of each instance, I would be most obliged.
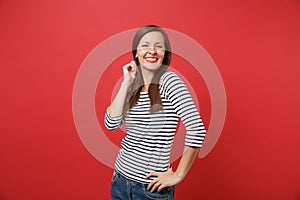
(255, 45)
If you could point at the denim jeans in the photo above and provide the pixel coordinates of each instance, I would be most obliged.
(124, 189)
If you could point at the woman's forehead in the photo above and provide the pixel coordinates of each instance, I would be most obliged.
(153, 37)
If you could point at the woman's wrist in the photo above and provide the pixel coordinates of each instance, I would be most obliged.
(125, 85)
(179, 175)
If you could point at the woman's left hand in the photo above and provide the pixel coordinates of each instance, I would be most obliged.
(164, 179)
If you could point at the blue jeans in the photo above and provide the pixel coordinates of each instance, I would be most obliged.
(124, 189)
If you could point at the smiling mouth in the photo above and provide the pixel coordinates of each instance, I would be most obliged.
(151, 59)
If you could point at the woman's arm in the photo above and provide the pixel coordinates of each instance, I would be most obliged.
(186, 161)
(117, 105)
(170, 178)
(176, 92)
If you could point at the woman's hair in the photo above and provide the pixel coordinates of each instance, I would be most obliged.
(138, 83)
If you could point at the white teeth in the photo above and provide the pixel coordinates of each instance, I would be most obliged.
(151, 59)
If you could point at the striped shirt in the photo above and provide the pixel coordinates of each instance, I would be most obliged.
(149, 136)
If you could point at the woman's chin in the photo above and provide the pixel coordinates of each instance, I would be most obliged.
(151, 66)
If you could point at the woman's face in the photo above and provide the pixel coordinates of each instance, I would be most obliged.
(151, 50)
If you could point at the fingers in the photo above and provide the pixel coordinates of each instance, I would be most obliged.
(162, 186)
(152, 174)
(156, 184)
(130, 67)
(152, 182)
(129, 72)
(162, 180)
(153, 185)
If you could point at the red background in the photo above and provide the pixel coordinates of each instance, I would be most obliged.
(255, 45)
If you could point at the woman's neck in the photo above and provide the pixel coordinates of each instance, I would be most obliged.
(147, 76)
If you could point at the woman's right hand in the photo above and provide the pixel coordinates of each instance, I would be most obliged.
(117, 105)
(129, 73)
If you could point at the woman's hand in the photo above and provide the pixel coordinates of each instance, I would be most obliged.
(117, 105)
(164, 179)
(129, 73)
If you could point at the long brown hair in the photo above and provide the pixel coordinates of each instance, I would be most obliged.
(138, 83)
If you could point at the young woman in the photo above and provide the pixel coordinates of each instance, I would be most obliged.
(150, 101)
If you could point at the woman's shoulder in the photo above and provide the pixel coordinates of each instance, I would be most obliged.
(171, 81)
(167, 76)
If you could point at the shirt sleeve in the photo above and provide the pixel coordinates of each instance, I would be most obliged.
(113, 123)
(174, 89)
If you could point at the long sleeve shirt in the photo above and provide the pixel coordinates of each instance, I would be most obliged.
(149, 136)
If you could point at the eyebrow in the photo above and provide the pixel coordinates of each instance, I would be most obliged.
(154, 43)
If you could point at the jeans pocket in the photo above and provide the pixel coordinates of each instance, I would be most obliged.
(164, 194)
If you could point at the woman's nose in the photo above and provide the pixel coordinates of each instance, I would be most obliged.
(152, 50)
